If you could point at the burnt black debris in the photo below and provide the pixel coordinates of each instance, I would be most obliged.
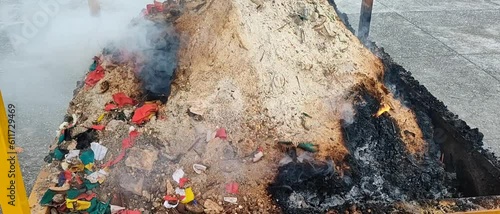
(381, 170)
(84, 139)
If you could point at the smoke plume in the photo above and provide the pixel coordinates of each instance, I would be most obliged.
(45, 47)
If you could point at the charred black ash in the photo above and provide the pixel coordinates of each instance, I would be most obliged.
(84, 139)
(381, 170)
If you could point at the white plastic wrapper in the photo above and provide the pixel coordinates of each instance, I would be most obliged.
(99, 150)
(178, 174)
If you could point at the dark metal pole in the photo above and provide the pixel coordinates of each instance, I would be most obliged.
(365, 18)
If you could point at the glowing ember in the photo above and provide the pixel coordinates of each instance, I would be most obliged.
(382, 109)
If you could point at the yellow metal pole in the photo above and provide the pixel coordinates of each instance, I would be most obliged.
(12, 192)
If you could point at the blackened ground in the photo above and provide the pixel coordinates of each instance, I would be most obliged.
(381, 170)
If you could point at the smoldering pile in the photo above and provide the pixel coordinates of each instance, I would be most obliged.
(152, 47)
(380, 170)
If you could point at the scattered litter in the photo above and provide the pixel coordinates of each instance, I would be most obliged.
(232, 188)
(170, 188)
(285, 160)
(94, 64)
(99, 151)
(115, 209)
(144, 113)
(168, 205)
(189, 196)
(98, 127)
(72, 154)
(76, 165)
(182, 182)
(308, 147)
(195, 110)
(257, 156)
(180, 192)
(63, 125)
(221, 133)
(99, 119)
(198, 168)
(126, 143)
(232, 200)
(47, 197)
(211, 135)
(58, 198)
(94, 76)
(195, 113)
(170, 198)
(64, 165)
(110, 107)
(98, 176)
(77, 204)
(178, 174)
(305, 156)
(64, 187)
(122, 100)
(87, 156)
(84, 139)
(131, 129)
(86, 196)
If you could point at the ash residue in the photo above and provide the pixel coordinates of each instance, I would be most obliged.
(381, 171)
(152, 46)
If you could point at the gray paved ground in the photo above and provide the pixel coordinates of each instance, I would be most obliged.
(451, 46)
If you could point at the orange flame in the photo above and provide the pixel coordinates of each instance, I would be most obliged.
(383, 108)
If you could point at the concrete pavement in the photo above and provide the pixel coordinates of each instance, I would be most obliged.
(451, 46)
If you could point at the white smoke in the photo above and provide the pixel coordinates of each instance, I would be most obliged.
(45, 47)
(343, 109)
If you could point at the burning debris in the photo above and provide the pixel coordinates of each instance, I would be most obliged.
(213, 147)
(383, 108)
(380, 170)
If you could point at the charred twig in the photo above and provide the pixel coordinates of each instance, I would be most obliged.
(302, 36)
(282, 186)
(303, 123)
(284, 25)
(298, 82)
(393, 127)
(346, 134)
(194, 144)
